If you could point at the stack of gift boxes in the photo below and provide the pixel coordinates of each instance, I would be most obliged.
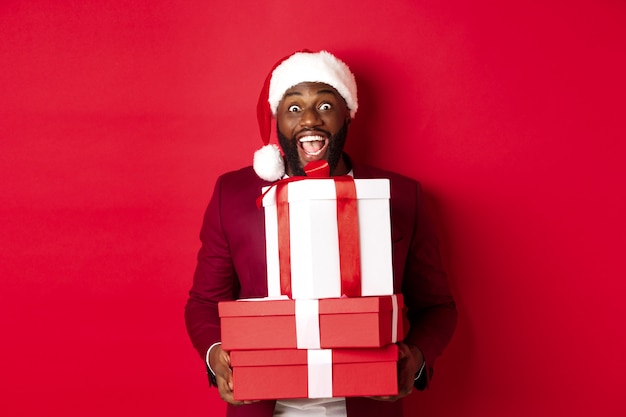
(331, 319)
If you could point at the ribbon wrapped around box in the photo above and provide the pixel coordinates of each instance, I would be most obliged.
(328, 237)
(326, 373)
(262, 323)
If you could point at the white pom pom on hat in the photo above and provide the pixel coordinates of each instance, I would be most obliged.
(302, 66)
(268, 163)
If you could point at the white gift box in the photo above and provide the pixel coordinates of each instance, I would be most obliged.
(314, 245)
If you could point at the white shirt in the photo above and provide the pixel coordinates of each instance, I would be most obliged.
(311, 407)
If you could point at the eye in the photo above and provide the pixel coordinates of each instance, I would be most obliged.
(293, 108)
(325, 106)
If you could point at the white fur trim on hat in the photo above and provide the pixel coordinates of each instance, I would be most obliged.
(322, 67)
(268, 163)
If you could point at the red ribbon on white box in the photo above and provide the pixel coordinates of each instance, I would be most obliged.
(347, 224)
(348, 235)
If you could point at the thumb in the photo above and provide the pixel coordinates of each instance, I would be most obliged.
(403, 350)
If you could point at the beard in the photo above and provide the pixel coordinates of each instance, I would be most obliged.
(290, 149)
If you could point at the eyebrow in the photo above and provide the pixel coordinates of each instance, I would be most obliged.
(323, 91)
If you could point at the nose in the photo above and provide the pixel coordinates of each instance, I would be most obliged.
(310, 117)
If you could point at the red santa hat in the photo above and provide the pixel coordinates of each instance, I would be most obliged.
(302, 66)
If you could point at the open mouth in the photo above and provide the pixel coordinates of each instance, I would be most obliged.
(313, 146)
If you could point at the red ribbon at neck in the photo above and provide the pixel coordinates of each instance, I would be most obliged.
(317, 169)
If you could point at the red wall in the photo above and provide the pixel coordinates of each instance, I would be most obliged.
(116, 117)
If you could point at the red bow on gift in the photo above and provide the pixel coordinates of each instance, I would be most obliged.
(347, 225)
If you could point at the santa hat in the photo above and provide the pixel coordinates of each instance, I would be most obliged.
(302, 66)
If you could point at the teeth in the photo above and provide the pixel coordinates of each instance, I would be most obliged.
(316, 153)
(312, 139)
(314, 145)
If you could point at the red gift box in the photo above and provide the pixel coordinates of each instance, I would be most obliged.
(361, 322)
(300, 373)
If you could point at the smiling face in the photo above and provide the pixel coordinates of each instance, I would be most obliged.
(312, 121)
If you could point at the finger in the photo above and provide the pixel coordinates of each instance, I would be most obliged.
(402, 353)
(228, 395)
(225, 386)
(382, 398)
(227, 389)
(406, 391)
(226, 357)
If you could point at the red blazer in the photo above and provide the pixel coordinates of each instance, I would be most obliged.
(231, 265)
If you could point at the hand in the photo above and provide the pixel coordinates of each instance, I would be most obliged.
(220, 363)
(410, 360)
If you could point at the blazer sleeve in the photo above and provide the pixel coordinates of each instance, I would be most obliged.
(431, 310)
(214, 278)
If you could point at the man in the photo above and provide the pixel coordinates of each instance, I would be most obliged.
(313, 99)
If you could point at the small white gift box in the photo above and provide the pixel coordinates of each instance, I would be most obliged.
(313, 242)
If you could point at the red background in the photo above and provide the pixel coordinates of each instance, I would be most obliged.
(116, 117)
